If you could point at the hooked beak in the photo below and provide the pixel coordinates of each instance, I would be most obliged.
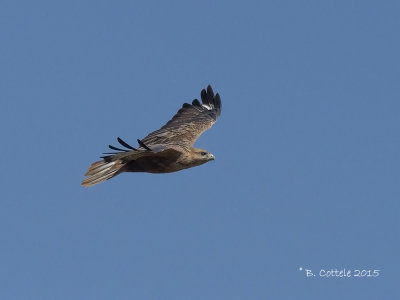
(212, 157)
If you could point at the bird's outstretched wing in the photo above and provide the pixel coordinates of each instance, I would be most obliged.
(189, 122)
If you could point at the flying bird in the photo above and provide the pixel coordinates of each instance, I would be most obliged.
(168, 149)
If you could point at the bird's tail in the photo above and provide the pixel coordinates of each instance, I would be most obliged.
(102, 170)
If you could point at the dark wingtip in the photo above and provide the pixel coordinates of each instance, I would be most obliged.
(143, 145)
(125, 144)
(116, 149)
(196, 103)
(210, 93)
(203, 95)
(208, 98)
(218, 103)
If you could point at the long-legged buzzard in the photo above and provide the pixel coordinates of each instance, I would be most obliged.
(168, 149)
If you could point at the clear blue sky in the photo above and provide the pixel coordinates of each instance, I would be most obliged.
(307, 148)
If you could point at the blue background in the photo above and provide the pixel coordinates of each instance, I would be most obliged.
(307, 149)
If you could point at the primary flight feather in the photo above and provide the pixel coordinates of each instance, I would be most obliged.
(168, 149)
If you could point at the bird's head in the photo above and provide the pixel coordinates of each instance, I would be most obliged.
(201, 156)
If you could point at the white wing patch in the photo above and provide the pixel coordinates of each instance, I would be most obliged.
(206, 106)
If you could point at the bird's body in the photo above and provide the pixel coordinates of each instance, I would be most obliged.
(169, 149)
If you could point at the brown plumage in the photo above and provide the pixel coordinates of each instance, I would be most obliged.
(168, 149)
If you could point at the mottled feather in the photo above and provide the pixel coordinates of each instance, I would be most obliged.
(189, 122)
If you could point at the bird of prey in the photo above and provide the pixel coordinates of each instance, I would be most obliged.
(168, 149)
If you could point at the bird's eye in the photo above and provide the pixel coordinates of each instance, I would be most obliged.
(203, 153)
